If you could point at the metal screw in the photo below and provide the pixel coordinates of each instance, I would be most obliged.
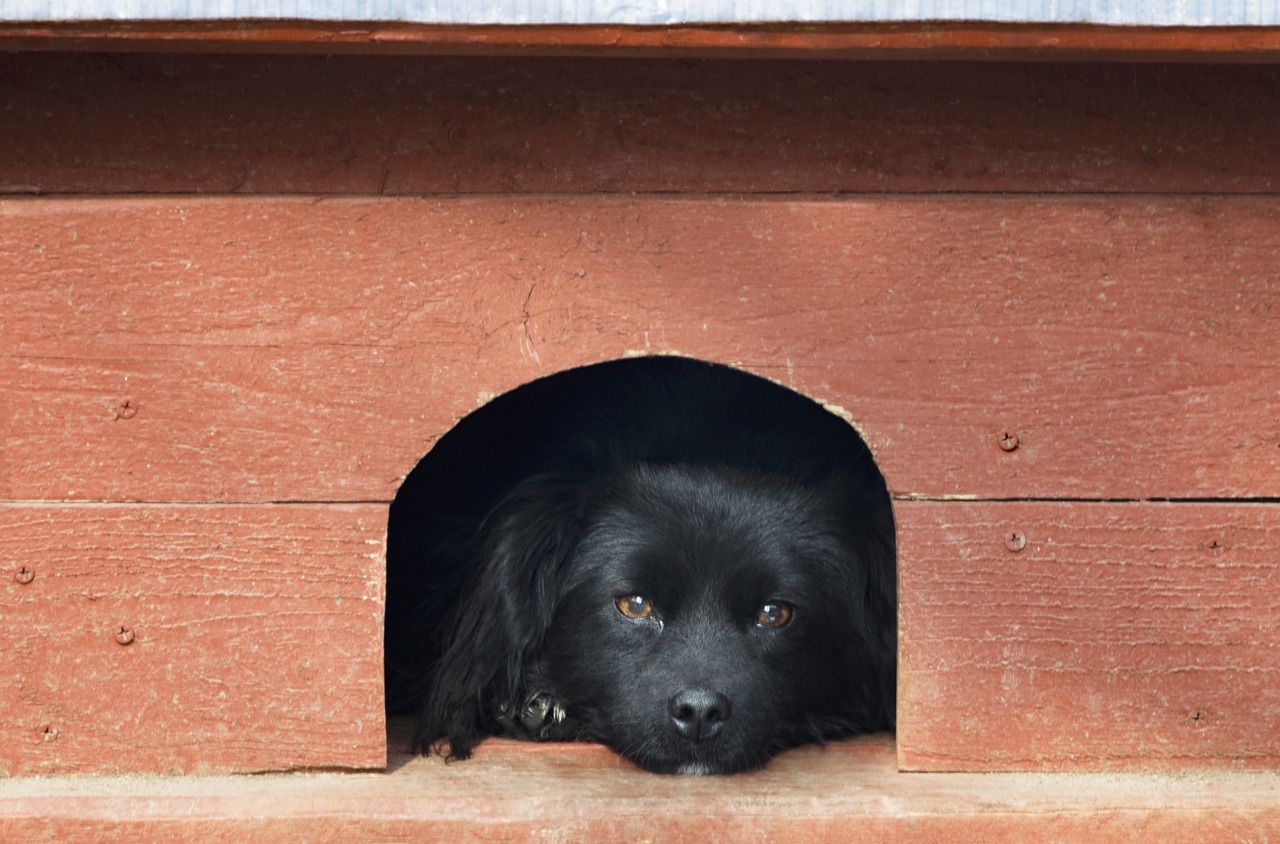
(126, 409)
(24, 575)
(124, 635)
(455, 135)
(1015, 541)
(1009, 441)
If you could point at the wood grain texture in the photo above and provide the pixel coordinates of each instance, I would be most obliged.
(255, 638)
(366, 125)
(848, 791)
(972, 40)
(286, 349)
(1122, 636)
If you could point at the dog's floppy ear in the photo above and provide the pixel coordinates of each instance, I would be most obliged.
(496, 628)
(876, 546)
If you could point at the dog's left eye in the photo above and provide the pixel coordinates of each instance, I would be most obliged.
(635, 606)
(774, 614)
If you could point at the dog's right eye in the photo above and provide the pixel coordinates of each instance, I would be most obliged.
(773, 615)
(635, 606)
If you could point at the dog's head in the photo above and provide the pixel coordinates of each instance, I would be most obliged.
(695, 619)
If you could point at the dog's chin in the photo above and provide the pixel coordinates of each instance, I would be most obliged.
(699, 767)
(696, 762)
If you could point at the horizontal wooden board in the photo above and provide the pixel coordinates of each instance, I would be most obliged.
(1121, 636)
(369, 125)
(847, 791)
(306, 350)
(252, 638)
(927, 39)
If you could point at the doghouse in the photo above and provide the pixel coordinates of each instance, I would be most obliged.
(245, 286)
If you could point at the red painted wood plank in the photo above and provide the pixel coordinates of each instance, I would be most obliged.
(1121, 636)
(916, 39)
(252, 638)
(846, 791)
(282, 349)
(252, 124)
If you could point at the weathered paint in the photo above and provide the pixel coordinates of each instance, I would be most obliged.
(1120, 636)
(245, 349)
(302, 350)
(253, 639)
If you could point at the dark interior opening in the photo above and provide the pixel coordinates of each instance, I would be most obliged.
(455, 484)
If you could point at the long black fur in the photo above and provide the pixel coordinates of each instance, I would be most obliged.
(704, 489)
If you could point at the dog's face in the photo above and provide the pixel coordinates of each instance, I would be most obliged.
(705, 620)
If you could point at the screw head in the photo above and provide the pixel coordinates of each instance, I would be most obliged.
(456, 136)
(1015, 540)
(24, 575)
(124, 634)
(126, 409)
(1008, 441)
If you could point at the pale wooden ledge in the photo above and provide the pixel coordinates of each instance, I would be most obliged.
(513, 792)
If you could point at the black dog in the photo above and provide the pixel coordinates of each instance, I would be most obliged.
(687, 563)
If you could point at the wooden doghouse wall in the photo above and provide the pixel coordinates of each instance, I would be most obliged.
(240, 296)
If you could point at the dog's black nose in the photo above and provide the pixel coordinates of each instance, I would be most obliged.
(697, 714)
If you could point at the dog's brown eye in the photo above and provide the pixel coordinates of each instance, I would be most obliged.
(774, 614)
(635, 606)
